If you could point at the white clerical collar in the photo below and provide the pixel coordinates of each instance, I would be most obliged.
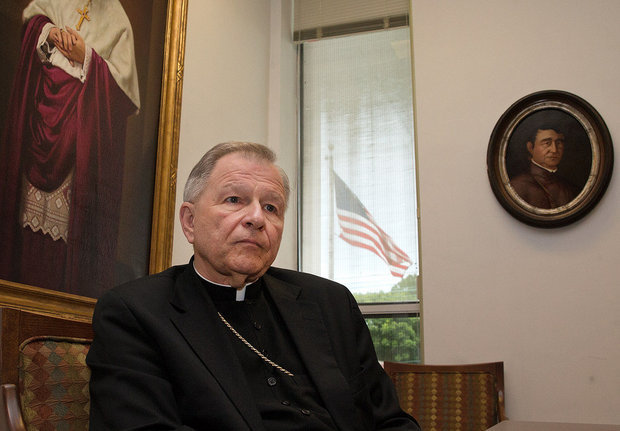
(553, 171)
(240, 294)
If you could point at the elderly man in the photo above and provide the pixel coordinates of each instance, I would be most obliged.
(228, 342)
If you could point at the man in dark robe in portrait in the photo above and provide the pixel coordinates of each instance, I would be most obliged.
(540, 185)
(62, 150)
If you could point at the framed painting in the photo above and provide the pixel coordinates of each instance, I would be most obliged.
(90, 100)
(550, 159)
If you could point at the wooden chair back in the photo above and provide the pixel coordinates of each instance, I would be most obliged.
(43, 373)
(451, 397)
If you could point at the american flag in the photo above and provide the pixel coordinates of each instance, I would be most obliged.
(360, 230)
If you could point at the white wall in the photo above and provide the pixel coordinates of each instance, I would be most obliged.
(239, 84)
(544, 301)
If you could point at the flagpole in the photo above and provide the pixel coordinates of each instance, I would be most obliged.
(330, 160)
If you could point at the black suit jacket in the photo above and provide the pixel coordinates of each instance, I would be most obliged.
(162, 360)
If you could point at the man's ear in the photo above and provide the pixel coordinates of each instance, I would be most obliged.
(186, 216)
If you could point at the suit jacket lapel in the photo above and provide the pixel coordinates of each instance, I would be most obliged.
(305, 324)
(194, 311)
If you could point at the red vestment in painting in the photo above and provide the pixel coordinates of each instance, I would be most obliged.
(58, 126)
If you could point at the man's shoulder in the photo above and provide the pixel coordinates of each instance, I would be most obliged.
(298, 277)
(524, 184)
(311, 284)
(152, 284)
(523, 178)
(149, 297)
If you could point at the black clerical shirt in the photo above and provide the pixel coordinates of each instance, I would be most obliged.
(285, 403)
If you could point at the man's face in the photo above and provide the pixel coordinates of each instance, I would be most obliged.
(548, 148)
(236, 223)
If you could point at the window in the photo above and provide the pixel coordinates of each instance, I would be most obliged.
(359, 209)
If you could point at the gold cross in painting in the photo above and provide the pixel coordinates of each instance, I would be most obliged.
(83, 16)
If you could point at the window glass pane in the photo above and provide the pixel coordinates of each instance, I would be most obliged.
(359, 223)
(396, 338)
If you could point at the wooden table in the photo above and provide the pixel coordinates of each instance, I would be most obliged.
(550, 426)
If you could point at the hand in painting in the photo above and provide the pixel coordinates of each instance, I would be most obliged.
(69, 43)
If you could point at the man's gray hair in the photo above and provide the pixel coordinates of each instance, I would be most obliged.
(198, 177)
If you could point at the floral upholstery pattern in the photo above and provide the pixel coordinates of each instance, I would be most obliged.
(53, 383)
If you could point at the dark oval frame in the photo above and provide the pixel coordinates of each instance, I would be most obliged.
(597, 140)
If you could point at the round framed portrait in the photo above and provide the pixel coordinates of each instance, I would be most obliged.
(550, 159)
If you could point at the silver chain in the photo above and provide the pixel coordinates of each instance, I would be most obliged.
(254, 349)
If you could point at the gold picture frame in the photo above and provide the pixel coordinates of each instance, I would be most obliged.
(78, 307)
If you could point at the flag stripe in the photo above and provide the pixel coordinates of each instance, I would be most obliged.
(360, 230)
(376, 248)
(386, 255)
(367, 247)
(347, 223)
(352, 241)
(388, 249)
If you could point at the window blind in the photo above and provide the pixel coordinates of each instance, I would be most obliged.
(317, 19)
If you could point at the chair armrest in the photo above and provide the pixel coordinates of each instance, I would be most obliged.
(10, 411)
(501, 406)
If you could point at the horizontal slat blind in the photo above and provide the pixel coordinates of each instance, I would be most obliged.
(316, 19)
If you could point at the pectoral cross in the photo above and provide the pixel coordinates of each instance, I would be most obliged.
(83, 16)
